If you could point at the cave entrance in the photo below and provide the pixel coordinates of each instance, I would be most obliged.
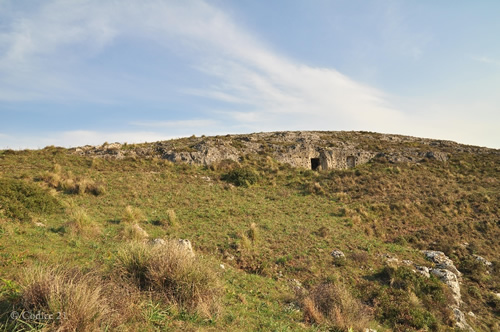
(351, 161)
(315, 164)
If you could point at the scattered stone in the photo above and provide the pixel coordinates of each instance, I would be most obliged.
(407, 262)
(483, 261)
(451, 280)
(423, 270)
(39, 224)
(297, 287)
(471, 314)
(369, 330)
(497, 295)
(460, 321)
(442, 261)
(222, 266)
(337, 254)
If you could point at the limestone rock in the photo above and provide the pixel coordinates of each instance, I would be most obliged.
(483, 261)
(451, 280)
(442, 261)
(337, 254)
(304, 149)
(460, 321)
(423, 270)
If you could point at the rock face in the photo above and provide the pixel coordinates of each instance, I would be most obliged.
(446, 271)
(442, 261)
(304, 149)
(451, 280)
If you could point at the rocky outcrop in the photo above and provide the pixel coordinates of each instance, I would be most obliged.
(304, 149)
(446, 271)
(451, 280)
(483, 261)
(442, 261)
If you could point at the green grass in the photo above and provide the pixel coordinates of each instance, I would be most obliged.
(276, 224)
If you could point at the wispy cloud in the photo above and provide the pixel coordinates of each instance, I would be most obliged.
(485, 59)
(239, 83)
(255, 82)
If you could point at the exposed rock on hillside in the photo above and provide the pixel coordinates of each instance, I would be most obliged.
(313, 150)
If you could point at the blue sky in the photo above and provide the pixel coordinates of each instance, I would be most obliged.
(76, 72)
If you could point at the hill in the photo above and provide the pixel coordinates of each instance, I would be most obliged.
(286, 231)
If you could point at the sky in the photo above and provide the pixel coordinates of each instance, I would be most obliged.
(77, 72)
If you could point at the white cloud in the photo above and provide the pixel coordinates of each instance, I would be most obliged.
(44, 55)
(485, 59)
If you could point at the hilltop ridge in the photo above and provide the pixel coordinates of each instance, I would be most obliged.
(304, 149)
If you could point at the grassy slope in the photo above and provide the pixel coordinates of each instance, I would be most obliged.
(301, 216)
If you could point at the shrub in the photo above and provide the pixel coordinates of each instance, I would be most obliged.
(132, 215)
(70, 184)
(74, 301)
(406, 300)
(172, 217)
(253, 232)
(19, 199)
(81, 223)
(244, 176)
(172, 273)
(134, 232)
(332, 304)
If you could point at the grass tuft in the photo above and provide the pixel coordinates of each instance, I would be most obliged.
(173, 274)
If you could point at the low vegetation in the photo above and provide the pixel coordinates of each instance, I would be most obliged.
(77, 239)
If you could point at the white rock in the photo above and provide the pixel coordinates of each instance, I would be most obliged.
(460, 321)
(483, 261)
(423, 270)
(442, 261)
(337, 254)
(451, 280)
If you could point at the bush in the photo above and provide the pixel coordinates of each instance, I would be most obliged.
(76, 302)
(174, 274)
(408, 300)
(19, 199)
(80, 223)
(69, 184)
(244, 177)
(132, 215)
(332, 304)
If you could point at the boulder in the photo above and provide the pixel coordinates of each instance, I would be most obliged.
(442, 261)
(337, 254)
(451, 280)
(460, 321)
(483, 261)
(423, 270)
